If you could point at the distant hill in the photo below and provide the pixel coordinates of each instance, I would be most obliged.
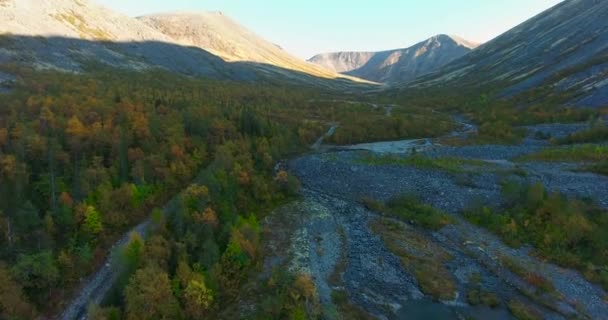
(400, 65)
(563, 50)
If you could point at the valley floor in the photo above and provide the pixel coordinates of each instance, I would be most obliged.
(364, 262)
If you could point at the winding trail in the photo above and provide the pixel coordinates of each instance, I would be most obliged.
(96, 286)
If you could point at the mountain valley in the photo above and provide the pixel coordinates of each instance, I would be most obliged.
(180, 166)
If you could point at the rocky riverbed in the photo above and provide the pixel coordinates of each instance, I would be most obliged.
(345, 248)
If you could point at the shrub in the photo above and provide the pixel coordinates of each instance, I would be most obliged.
(411, 209)
(523, 311)
(567, 231)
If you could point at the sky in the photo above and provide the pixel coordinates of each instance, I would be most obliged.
(305, 28)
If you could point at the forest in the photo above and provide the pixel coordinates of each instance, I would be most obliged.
(85, 157)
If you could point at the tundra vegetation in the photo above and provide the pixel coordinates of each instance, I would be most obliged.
(567, 231)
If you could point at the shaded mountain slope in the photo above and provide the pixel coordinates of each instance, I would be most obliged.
(564, 49)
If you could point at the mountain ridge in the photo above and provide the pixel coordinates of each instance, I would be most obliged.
(226, 38)
(563, 49)
(397, 65)
(65, 34)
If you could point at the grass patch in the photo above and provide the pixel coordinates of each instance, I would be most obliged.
(409, 208)
(566, 231)
(596, 133)
(542, 284)
(522, 311)
(599, 168)
(450, 164)
(476, 297)
(586, 152)
(346, 309)
(419, 256)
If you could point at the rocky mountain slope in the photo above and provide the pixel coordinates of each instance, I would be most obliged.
(563, 48)
(222, 36)
(400, 65)
(68, 34)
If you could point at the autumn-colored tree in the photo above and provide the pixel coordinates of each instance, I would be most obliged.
(3, 137)
(149, 296)
(198, 299)
(157, 251)
(75, 130)
(13, 303)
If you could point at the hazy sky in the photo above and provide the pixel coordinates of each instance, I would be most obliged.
(305, 28)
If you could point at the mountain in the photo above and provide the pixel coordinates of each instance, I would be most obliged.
(400, 65)
(68, 35)
(562, 51)
(222, 36)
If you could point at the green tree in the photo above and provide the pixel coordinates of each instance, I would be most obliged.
(92, 221)
(38, 273)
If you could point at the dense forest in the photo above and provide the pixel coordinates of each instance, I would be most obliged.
(84, 158)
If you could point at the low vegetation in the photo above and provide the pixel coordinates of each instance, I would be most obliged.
(585, 152)
(423, 259)
(360, 122)
(540, 283)
(409, 208)
(523, 311)
(479, 296)
(347, 310)
(476, 295)
(599, 168)
(567, 231)
(598, 132)
(449, 164)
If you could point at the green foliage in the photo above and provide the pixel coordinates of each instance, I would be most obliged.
(449, 164)
(85, 157)
(37, 273)
(567, 231)
(149, 296)
(366, 122)
(133, 252)
(410, 208)
(600, 168)
(478, 296)
(585, 152)
(423, 259)
(92, 221)
(13, 303)
(346, 309)
(522, 311)
(287, 296)
(598, 132)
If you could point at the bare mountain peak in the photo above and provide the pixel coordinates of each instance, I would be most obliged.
(443, 38)
(399, 65)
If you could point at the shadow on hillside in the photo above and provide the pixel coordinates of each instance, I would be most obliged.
(74, 55)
